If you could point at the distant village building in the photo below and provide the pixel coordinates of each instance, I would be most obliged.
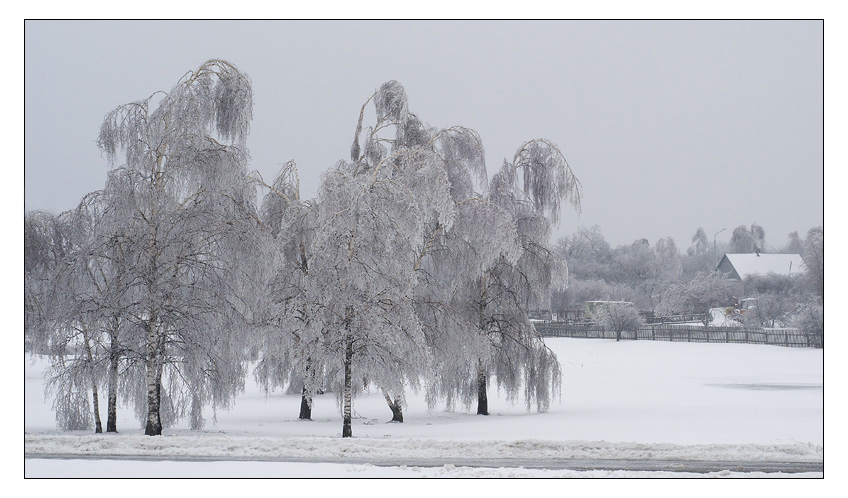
(740, 266)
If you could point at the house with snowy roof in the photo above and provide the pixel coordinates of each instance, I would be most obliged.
(740, 266)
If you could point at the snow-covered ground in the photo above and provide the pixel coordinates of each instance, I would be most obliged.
(620, 400)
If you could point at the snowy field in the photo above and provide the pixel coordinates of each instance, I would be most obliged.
(620, 401)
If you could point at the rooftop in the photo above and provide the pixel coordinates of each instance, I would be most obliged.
(762, 264)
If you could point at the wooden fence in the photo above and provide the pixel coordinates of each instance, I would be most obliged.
(685, 333)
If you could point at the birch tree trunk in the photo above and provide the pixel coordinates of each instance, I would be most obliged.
(348, 360)
(306, 395)
(153, 426)
(482, 397)
(394, 406)
(196, 420)
(153, 362)
(98, 427)
(305, 405)
(112, 408)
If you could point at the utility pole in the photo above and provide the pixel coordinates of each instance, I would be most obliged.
(715, 254)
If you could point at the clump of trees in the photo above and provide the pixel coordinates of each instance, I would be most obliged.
(411, 269)
(154, 274)
(637, 272)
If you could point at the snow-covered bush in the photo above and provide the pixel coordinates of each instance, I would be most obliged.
(810, 319)
(619, 317)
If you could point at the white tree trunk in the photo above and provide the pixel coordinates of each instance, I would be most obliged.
(112, 409)
(114, 358)
(347, 431)
(98, 427)
(153, 362)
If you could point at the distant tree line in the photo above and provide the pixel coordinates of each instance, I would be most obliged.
(661, 279)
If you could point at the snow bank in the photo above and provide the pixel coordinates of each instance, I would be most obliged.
(265, 448)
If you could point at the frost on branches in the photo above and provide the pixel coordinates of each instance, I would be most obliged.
(411, 269)
(415, 270)
(185, 212)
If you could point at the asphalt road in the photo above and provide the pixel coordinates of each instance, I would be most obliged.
(692, 466)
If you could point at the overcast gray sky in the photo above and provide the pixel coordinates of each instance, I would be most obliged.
(669, 125)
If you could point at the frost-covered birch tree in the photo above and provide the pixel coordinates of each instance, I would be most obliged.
(531, 189)
(183, 207)
(102, 274)
(77, 300)
(455, 252)
(362, 274)
(478, 276)
(488, 271)
(376, 217)
(482, 235)
(618, 317)
(44, 249)
(794, 244)
(70, 278)
(457, 155)
(814, 261)
(288, 355)
(699, 256)
(746, 240)
(56, 319)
